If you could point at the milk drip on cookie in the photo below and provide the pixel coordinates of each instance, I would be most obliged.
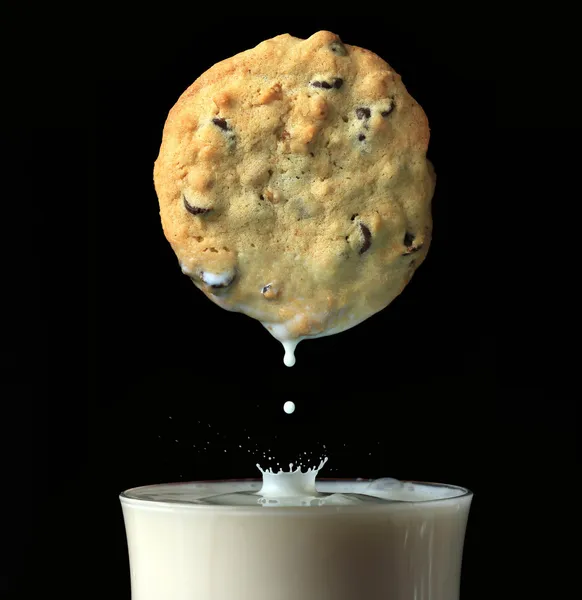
(294, 187)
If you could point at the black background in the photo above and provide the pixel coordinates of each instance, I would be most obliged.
(121, 373)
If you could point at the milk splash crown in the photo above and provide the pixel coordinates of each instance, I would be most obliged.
(290, 484)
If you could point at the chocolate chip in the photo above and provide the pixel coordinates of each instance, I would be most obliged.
(221, 123)
(195, 210)
(361, 137)
(338, 48)
(337, 84)
(353, 216)
(409, 243)
(386, 112)
(367, 238)
(363, 113)
(270, 291)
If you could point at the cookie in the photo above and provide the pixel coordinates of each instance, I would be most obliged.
(294, 187)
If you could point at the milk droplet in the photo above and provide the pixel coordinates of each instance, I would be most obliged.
(289, 407)
(216, 279)
(289, 346)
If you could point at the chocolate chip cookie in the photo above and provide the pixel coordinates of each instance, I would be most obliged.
(294, 187)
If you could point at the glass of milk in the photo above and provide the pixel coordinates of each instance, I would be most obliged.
(288, 538)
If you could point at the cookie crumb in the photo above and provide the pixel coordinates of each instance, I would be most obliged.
(275, 92)
(273, 196)
(222, 100)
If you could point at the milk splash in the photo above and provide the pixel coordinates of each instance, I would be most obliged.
(297, 488)
(290, 484)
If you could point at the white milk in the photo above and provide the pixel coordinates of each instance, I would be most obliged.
(296, 539)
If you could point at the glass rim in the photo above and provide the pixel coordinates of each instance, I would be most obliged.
(127, 499)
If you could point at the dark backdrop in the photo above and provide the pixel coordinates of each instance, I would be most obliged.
(135, 378)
